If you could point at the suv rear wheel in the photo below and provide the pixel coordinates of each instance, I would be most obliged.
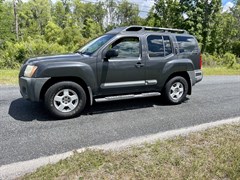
(175, 90)
(65, 99)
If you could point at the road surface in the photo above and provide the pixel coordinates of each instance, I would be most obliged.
(28, 132)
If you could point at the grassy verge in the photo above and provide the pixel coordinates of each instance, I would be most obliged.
(211, 154)
(220, 71)
(9, 76)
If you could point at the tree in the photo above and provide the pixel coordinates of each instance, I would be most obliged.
(166, 14)
(127, 13)
(236, 25)
(60, 12)
(53, 33)
(111, 17)
(6, 22)
(91, 29)
(34, 16)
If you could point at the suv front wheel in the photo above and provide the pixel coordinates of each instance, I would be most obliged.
(65, 99)
(175, 90)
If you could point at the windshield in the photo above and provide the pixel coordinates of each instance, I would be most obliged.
(95, 44)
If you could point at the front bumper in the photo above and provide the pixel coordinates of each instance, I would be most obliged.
(30, 88)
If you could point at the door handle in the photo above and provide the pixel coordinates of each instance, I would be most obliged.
(139, 65)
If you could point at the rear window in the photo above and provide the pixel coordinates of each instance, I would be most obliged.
(186, 44)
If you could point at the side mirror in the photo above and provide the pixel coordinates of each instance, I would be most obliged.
(111, 53)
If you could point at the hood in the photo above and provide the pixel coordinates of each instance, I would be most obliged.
(55, 58)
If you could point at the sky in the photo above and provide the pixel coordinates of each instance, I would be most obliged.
(227, 4)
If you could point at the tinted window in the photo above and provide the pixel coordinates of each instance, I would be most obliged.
(155, 46)
(159, 46)
(127, 47)
(186, 44)
(167, 45)
(95, 44)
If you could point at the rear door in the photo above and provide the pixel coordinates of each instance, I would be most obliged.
(159, 51)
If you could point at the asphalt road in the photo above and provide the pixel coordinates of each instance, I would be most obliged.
(28, 132)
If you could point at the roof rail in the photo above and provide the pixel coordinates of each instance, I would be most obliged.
(147, 28)
(171, 30)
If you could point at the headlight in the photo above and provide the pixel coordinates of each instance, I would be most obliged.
(30, 70)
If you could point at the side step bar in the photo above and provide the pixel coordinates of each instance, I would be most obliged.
(129, 96)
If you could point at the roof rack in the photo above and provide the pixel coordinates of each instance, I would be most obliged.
(171, 30)
(147, 28)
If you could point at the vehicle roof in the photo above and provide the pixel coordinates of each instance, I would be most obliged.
(147, 30)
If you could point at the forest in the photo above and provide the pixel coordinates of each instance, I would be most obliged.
(37, 27)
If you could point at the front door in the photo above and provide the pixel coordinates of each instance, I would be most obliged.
(124, 73)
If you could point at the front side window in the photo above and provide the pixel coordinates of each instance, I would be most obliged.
(186, 44)
(127, 47)
(159, 46)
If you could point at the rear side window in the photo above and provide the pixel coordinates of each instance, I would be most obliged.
(186, 44)
(159, 46)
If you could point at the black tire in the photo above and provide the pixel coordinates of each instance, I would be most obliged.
(175, 90)
(65, 99)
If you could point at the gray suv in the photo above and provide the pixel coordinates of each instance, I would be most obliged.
(126, 62)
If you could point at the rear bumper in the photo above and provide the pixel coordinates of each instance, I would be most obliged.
(195, 76)
(30, 88)
(198, 75)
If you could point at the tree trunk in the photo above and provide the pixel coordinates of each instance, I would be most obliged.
(16, 19)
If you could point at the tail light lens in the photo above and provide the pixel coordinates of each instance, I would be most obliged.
(200, 63)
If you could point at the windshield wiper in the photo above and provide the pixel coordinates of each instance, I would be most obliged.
(83, 53)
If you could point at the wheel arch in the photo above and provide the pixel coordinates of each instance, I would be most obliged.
(55, 80)
(185, 75)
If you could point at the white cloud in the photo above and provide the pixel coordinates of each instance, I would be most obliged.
(227, 6)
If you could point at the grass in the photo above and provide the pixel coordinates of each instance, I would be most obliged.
(9, 76)
(220, 71)
(211, 154)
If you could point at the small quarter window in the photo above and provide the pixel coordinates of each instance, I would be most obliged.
(186, 44)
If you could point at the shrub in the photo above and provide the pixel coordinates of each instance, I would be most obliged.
(15, 54)
(209, 60)
(229, 60)
(236, 48)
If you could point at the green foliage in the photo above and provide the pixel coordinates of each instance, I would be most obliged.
(228, 60)
(47, 27)
(210, 60)
(53, 33)
(16, 53)
(128, 13)
(236, 48)
(6, 22)
(165, 14)
(33, 17)
(216, 31)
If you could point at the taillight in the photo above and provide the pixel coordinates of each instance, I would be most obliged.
(200, 63)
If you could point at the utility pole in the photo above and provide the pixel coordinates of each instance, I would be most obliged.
(16, 19)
